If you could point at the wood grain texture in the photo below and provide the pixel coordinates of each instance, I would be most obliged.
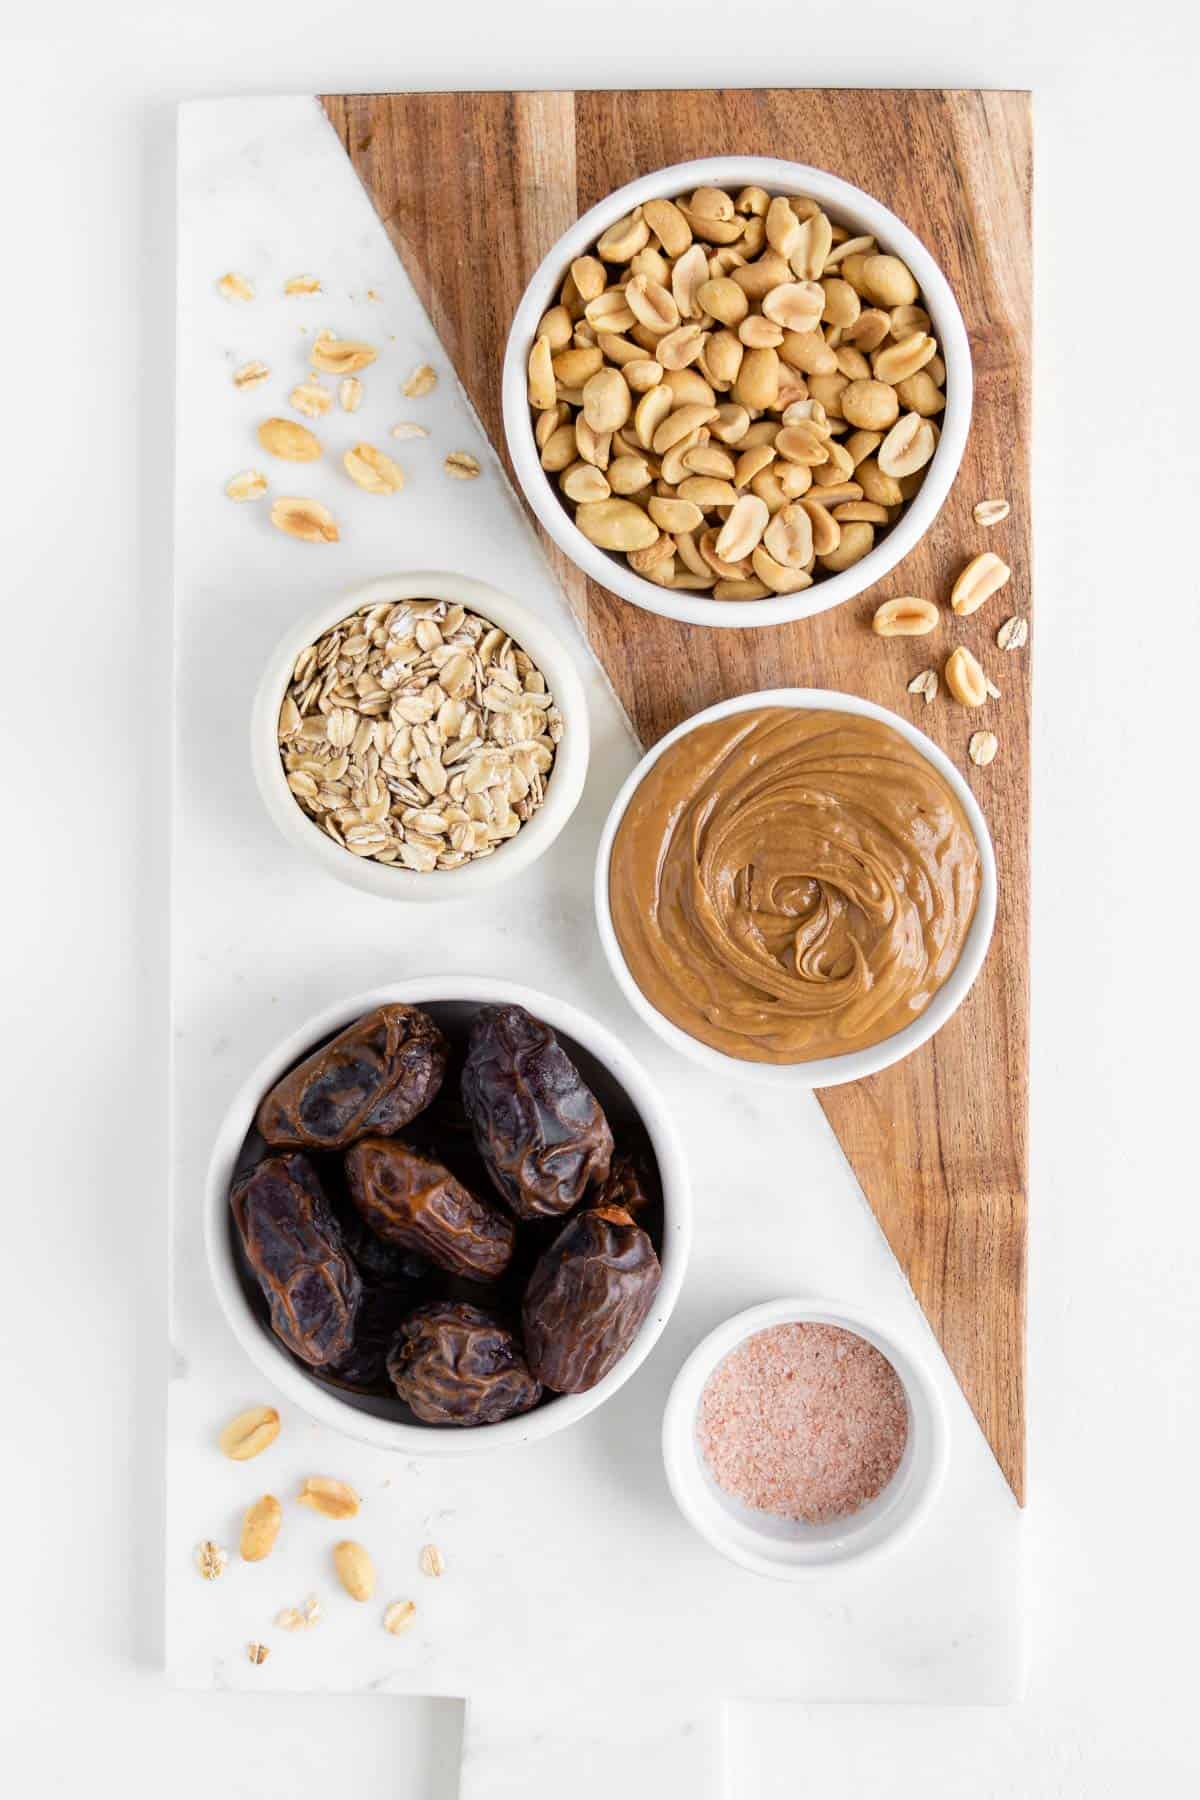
(474, 189)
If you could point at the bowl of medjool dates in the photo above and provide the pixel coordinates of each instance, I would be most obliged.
(448, 1215)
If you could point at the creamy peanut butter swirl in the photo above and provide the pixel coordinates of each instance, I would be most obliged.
(789, 884)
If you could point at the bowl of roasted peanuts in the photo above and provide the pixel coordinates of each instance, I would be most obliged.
(737, 391)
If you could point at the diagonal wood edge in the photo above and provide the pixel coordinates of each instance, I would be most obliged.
(939, 1143)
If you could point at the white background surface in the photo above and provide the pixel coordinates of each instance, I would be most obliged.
(87, 304)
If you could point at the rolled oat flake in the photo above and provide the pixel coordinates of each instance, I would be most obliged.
(804, 1421)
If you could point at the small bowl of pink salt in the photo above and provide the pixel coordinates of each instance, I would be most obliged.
(799, 1437)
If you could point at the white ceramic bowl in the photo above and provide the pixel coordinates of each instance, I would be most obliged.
(848, 206)
(620, 1084)
(828, 1071)
(788, 1549)
(550, 652)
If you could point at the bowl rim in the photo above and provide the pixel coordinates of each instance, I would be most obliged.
(857, 207)
(851, 1065)
(323, 1404)
(912, 1363)
(549, 651)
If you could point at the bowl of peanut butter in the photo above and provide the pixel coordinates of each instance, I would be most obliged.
(798, 883)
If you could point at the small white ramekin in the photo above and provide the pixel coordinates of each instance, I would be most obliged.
(548, 650)
(860, 214)
(828, 1071)
(788, 1549)
(364, 1417)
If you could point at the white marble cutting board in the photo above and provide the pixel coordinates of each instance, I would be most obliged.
(566, 1561)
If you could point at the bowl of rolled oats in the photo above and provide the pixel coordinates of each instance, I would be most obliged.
(422, 736)
(737, 391)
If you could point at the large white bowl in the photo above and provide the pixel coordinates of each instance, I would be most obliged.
(616, 1079)
(848, 206)
(788, 1549)
(549, 651)
(827, 1071)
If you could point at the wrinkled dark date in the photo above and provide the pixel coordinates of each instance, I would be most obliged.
(538, 1127)
(455, 1365)
(587, 1297)
(294, 1245)
(622, 1187)
(379, 1264)
(374, 1077)
(412, 1200)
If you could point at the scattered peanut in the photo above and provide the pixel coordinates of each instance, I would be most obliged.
(250, 1433)
(906, 616)
(983, 576)
(355, 1570)
(964, 677)
(373, 470)
(307, 520)
(286, 439)
(340, 356)
(257, 1653)
(332, 1499)
(260, 1528)
(302, 284)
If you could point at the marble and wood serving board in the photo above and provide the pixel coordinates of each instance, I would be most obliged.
(570, 1557)
(473, 189)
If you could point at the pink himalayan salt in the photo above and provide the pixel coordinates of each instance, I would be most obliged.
(804, 1421)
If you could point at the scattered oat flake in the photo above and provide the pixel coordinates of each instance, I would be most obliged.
(983, 747)
(372, 295)
(408, 428)
(257, 1653)
(251, 374)
(1013, 634)
(925, 684)
(423, 380)
(331, 1498)
(991, 512)
(211, 1559)
(311, 399)
(350, 393)
(235, 287)
(300, 1618)
(399, 1616)
(461, 465)
(993, 690)
(250, 484)
(432, 1561)
(302, 284)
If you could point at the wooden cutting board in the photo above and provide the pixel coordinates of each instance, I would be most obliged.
(473, 190)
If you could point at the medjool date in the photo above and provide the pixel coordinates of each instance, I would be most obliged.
(456, 1365)
(622, 1187)
(538, 1127)
(587, 1297)
(373, 1077)
(412, 1200)
(294, 1245)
